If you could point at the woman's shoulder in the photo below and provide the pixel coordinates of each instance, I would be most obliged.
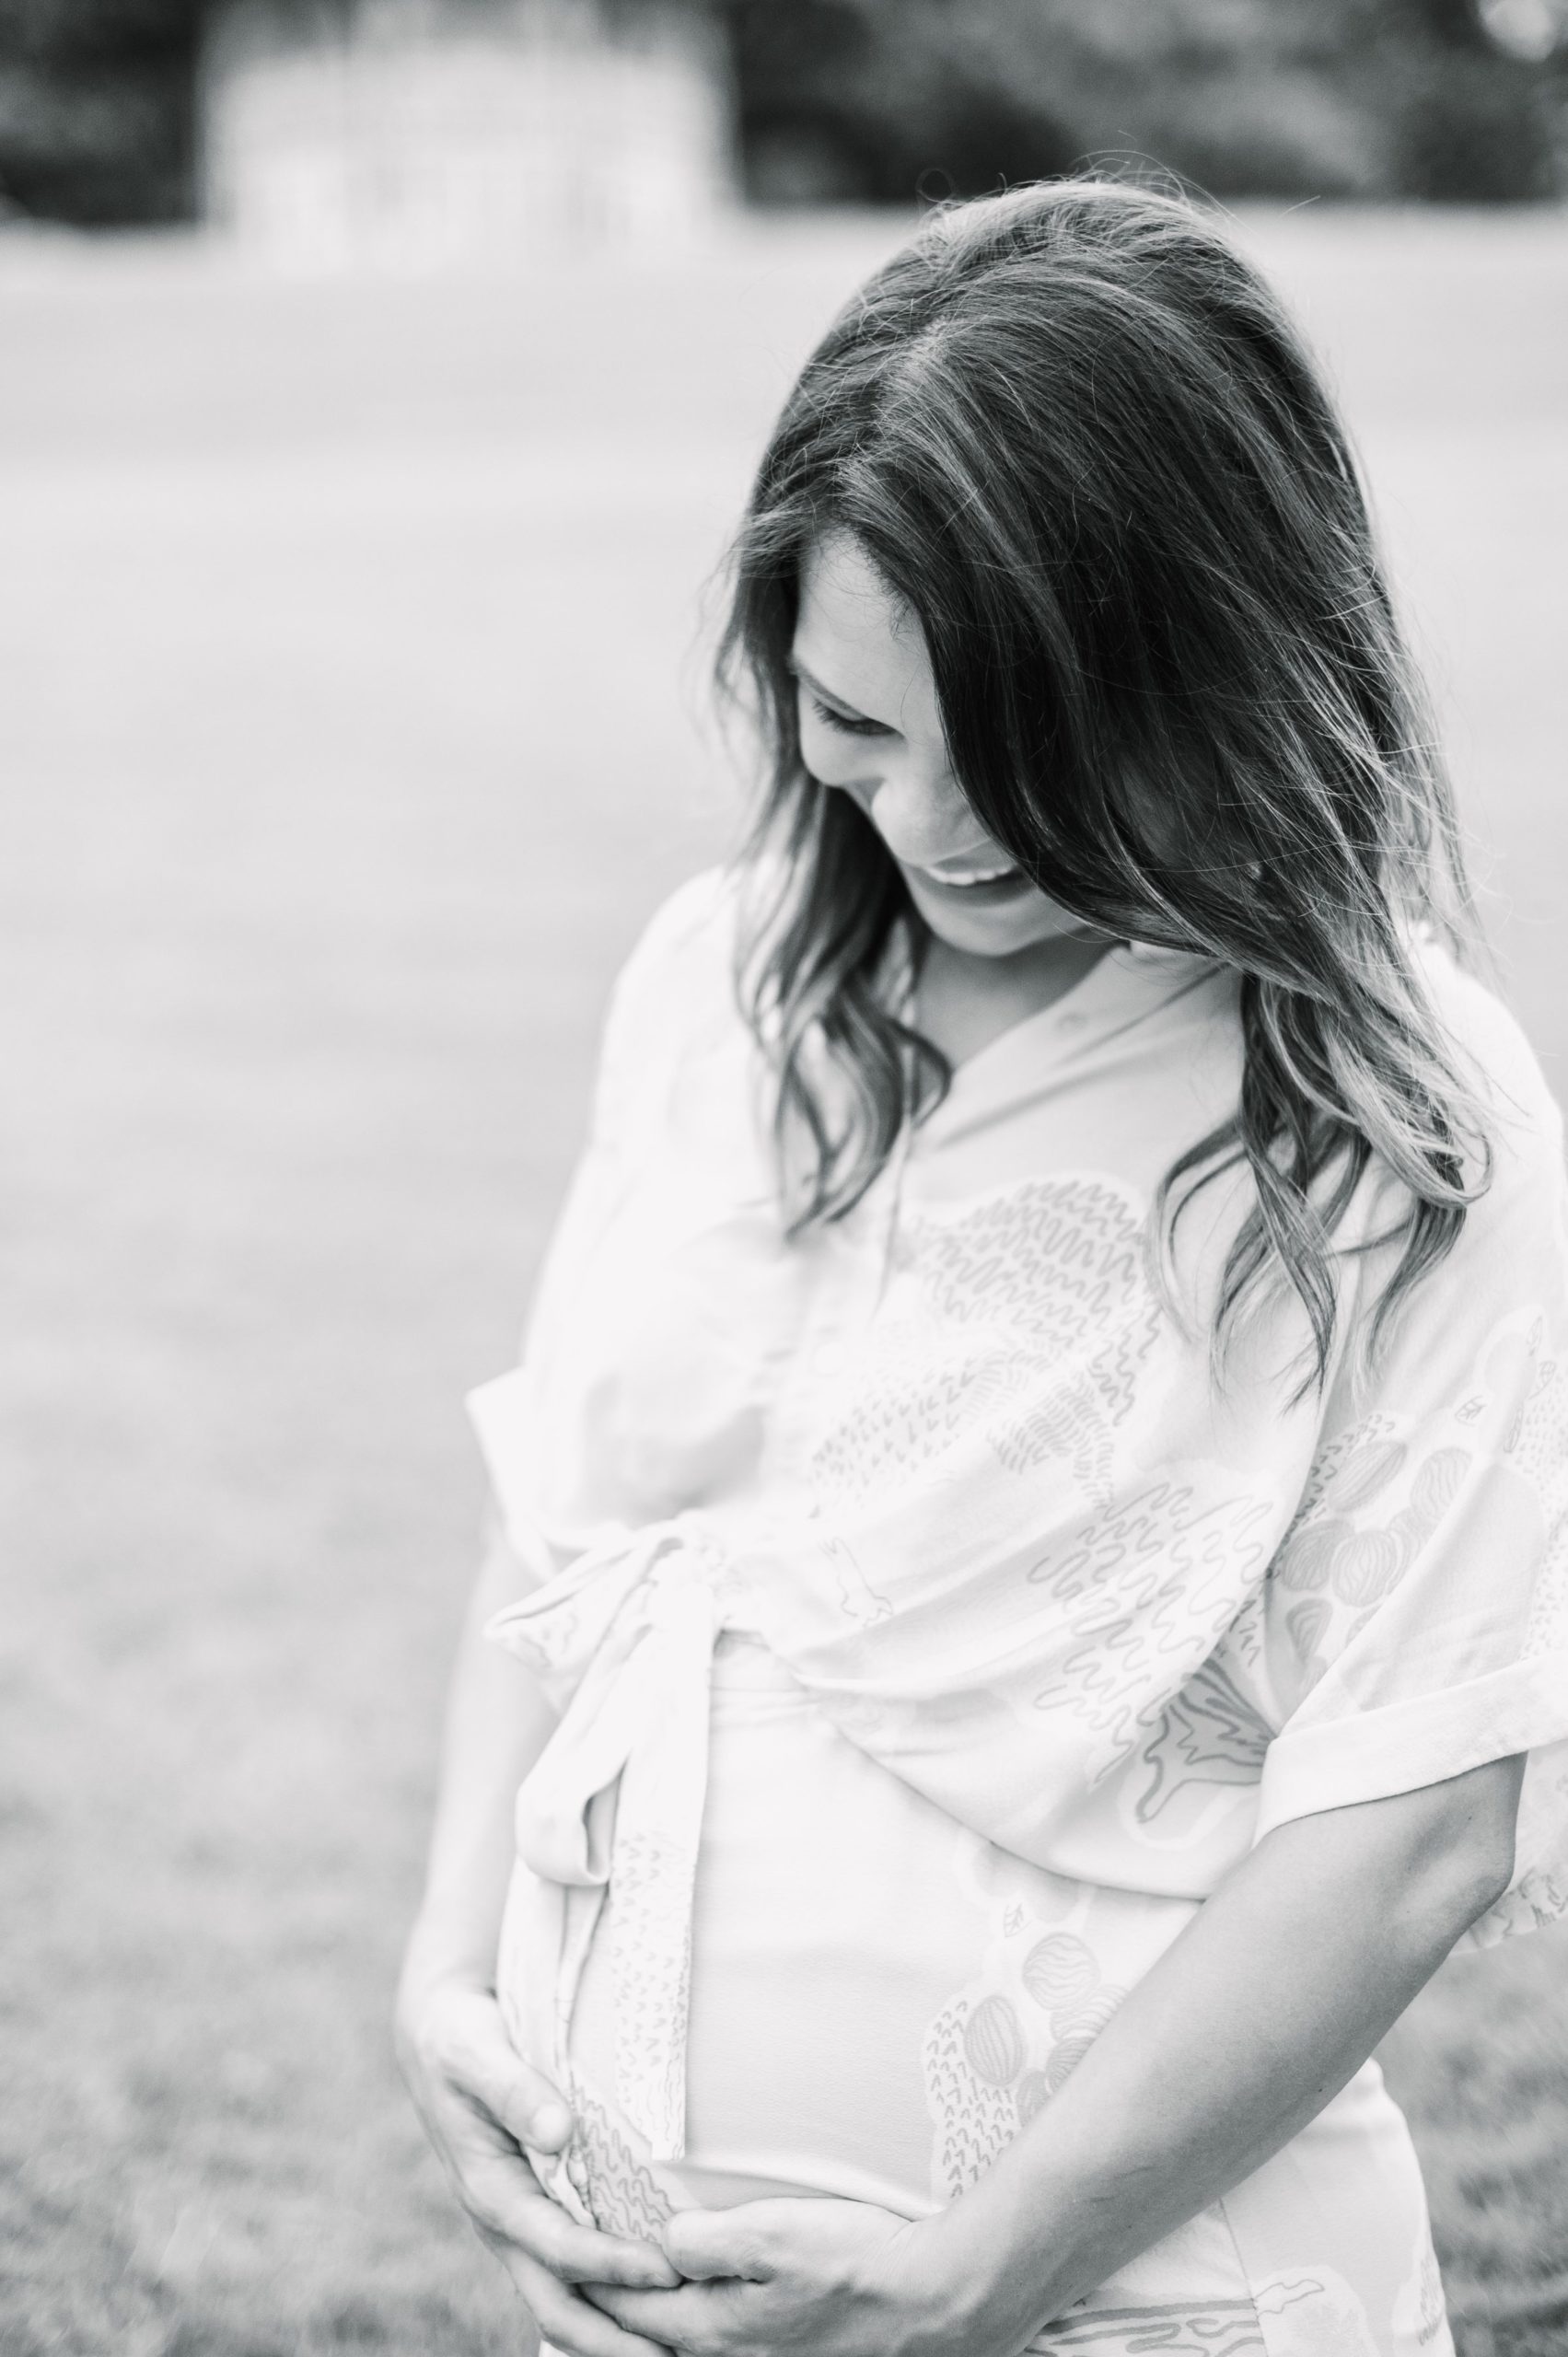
(676, 991)
(1514, 1238)
(1496, 1061)
(693, 927)
(683, 958)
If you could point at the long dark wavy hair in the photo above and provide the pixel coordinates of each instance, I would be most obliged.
(1079, 438)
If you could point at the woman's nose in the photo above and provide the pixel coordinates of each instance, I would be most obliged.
(920, 814)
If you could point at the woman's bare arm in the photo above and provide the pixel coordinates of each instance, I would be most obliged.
(480, 2102)
(1267, 2004)
(497, 1724)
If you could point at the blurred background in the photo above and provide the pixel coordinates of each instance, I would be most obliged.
(377, 383)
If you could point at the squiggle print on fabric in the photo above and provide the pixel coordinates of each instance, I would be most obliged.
(621, 2192)
(1151, 1585)
(1028, 1316)
(1219, 2328)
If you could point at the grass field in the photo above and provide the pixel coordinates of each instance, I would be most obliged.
(351, 720)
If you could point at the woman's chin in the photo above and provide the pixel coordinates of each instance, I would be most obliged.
(990, 920)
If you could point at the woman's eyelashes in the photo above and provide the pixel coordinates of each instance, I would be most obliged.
(846, 724)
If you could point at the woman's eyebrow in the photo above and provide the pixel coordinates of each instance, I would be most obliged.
(809, 679)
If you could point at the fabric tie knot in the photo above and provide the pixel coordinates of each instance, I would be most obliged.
(614, 1802)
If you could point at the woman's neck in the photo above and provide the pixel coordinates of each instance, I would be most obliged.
(966, 1002)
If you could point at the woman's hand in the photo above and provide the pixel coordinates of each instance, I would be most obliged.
(482, 2104)
(836, 2278)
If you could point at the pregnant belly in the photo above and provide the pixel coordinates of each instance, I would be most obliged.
(880, 1998)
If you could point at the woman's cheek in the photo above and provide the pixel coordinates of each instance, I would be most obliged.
(827, 756)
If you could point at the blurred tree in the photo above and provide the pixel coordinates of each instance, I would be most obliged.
(881, 99)
(1478, 121)
(97, 109)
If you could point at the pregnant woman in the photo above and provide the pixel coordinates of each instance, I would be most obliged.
(1028, 1604)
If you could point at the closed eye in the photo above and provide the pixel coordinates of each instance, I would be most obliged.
(845, 723)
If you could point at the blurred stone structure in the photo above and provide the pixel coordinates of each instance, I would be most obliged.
(410, 136)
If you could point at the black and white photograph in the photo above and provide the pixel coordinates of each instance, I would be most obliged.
(784, 1010)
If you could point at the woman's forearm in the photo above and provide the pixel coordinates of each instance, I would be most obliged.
(497, 1724)
(488, 2113)
(1267, 2004)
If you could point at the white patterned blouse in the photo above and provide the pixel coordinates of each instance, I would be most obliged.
(933, 1630)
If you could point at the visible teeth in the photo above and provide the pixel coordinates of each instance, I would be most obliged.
(980, 876)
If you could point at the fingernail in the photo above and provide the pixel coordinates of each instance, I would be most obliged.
(552, 2124)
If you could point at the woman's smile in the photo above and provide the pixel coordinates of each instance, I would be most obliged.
(982, 887)
(871, 725)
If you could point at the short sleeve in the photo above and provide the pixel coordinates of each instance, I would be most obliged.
(1416, 1613)
(543, 1478)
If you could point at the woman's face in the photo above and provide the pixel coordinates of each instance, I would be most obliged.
(870, 724)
